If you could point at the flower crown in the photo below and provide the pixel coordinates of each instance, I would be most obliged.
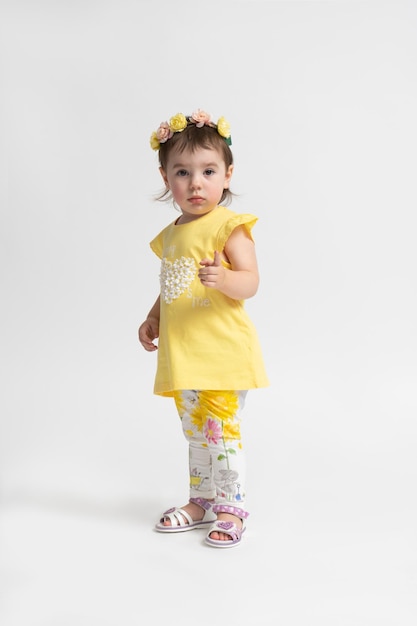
(179, 122)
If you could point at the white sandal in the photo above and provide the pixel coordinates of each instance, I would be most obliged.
(228, 528)
(181, 521)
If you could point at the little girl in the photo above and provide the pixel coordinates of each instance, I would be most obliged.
(208, 350)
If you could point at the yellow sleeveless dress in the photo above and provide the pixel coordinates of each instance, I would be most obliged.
(206, 339)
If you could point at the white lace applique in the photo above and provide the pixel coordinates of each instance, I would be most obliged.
(176, 277)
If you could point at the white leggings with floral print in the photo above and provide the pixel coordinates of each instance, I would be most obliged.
(211, 424)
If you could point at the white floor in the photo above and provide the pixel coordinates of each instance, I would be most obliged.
(309, 559)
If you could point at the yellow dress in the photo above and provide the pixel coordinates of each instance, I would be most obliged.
(206, 339)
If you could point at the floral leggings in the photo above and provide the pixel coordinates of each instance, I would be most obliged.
(211, 424)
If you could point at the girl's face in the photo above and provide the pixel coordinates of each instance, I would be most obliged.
(196, 180)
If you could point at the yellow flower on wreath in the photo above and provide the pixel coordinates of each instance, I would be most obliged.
(178, 122)
(223, 127)
(154, 141)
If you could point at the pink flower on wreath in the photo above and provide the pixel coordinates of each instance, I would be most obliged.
(212, 431)
(200, 117)
(164, 132)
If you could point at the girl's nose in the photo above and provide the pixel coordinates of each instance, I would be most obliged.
(195, 182)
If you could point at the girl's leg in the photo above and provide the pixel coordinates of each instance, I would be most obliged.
(202, 488)
(199, 458)
(211, 424)
(222, 432)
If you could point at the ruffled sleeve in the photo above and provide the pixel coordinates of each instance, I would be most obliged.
(241, 219)
(157, 244)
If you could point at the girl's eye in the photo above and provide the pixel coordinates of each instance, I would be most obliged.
(182, 173)
(209, 172)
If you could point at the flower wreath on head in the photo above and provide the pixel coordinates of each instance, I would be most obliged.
(179, 122)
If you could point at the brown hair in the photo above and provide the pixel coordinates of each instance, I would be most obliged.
(192, 138)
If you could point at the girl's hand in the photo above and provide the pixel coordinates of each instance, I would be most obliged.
(148, 331)
(212, 273)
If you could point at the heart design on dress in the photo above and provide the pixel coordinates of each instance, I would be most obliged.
(176, 277)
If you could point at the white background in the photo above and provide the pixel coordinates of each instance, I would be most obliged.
(322, 100)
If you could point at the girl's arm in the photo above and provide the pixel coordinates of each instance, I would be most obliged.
(149, 329)
(242, 280)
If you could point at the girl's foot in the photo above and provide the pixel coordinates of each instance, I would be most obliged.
(195, 511)
(225, 517)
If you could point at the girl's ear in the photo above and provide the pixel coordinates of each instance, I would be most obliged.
(164, 176)
(228, 177)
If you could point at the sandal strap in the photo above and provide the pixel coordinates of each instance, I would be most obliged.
(175, 516)
(234, 510)
(228, 528)
(205, 504)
